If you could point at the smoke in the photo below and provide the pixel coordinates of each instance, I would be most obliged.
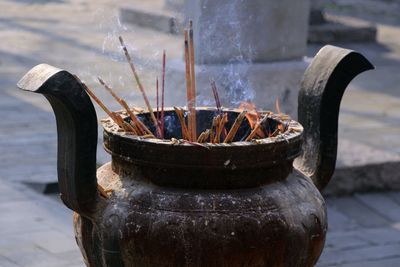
(223, 41)
(114, 29)
(111, 63)
(229, 58)
(237, 83)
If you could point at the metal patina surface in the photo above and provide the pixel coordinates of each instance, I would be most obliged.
(242, 204)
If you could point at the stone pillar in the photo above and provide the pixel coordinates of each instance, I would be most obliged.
(253, 50)
(255, 31)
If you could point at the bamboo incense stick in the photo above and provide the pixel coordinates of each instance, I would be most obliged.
(200, 138)
(217, 129)
(217, 132)
(206, 135)
(141, 128)
(246, 134)
(212, 129)
(181, 117)
(223, 119)
(254, 131)
(163, 93)
(192, 106)
(216, 96)
(129, 128)
(118, 99)
(124, 125)
(203, 136)
(188, 83)
(98, 101)
(109, 89)
(118, 120)
(140, 86)
(275, 133)
(235, 127)
(158, 110)
(115, 117)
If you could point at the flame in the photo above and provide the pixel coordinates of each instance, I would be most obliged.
(252, 115)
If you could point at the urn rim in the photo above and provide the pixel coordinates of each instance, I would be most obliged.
(295, 132)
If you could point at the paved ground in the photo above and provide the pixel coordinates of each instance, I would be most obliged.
(35, 230)
(364, 230)
(80, 36)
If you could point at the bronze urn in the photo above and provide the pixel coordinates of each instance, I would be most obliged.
(241, 204)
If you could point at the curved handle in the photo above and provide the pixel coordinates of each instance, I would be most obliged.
(322, 88)
(77, 134)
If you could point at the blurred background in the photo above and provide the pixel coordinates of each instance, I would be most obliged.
(255, 50)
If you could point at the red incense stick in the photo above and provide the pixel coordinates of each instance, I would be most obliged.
(158, 111)
(216, 96)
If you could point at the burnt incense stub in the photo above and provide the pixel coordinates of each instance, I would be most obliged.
(171, 202)
(169, 162)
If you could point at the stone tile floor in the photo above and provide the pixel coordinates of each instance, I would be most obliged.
(78, 35)
(36, 230)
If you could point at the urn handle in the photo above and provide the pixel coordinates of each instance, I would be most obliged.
(322, 88)
(77, 134)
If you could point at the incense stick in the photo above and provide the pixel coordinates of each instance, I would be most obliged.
(225, 120)
(140, 86)
(218, 120)
(124, 125)
(216, 96)
(201, 137)
(192, 106)
(113, 116)
(109, 89)
(221, 127)
(254, 131)
(129, 128)
(235, 127)
(218, 130)
(158, 110)
(181, 117)
(163, 93)
(213, 127)
(141, 128)
(206, 135)
(98, 101)
(246, 134)
(188, 83)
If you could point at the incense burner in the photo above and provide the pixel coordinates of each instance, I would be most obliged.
(180, 204)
